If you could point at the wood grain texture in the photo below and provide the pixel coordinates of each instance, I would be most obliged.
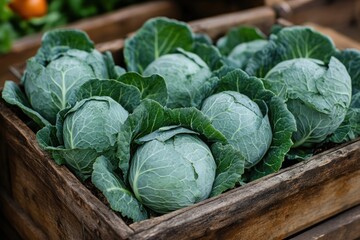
(272, 208)
(323, 12)
(49, 194)
(205, 8)
(7, 231)
(15, 215)
(262, 17)
(345, 225)
(275, 206)
(341, 15)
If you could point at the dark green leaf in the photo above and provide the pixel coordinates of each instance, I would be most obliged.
(239, 81)
(80, 161)
(230, 167)
(282, 121)
(240, 55)
(52, 89)
(210, 54)
(146, 118)
(299, 154)
(120, 198)
(12, 94)
(238, 35)
(60, 40)
(113, 70)
(290, 43)
(349, 128)
(151, 116)
(202, 38)
(351, 60)
(164, 133)
(128, 96)
(157, 37)
(194, 119)
(283, 125)
(355, 100)
(152, 87)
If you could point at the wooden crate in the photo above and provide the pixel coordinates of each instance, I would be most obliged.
(206, 8)
(42, 200)
(341, 15)
(345, 225)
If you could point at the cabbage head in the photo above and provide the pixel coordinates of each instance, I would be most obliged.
(241, 54)
(317, 95)
(187, 78)
(93, 123)
(242, 122)
(65, 61)
(172, 172)
(83, 133)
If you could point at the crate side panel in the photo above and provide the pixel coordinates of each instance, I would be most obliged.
(44, 175)
(345, 225)
(334, 14)
(21, 224)
(262, 17)
(40, 202)
(331, 175)
(299, 211)
(5, 185)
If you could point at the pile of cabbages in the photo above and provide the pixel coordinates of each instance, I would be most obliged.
(187, 119)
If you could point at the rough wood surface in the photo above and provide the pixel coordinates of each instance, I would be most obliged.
(272, 208)
(51, 195)
(275, 206)
(345, 225)
(7, 231)
(320, 11)
(206, 8)
(342, 15)
(100, 29)
(15, 215)
(262, 17)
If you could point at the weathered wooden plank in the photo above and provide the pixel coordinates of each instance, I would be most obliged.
(7, 231)
(272, 208)
(41, 203)
(292, 199)
(341, 15)
(345, 225)
(262, 17)
(54, 186)
(272, 2)
(15, 215)
(4, 166)
(322, 12)
(205, 8)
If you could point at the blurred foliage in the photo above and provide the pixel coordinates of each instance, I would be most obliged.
(60, 12)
